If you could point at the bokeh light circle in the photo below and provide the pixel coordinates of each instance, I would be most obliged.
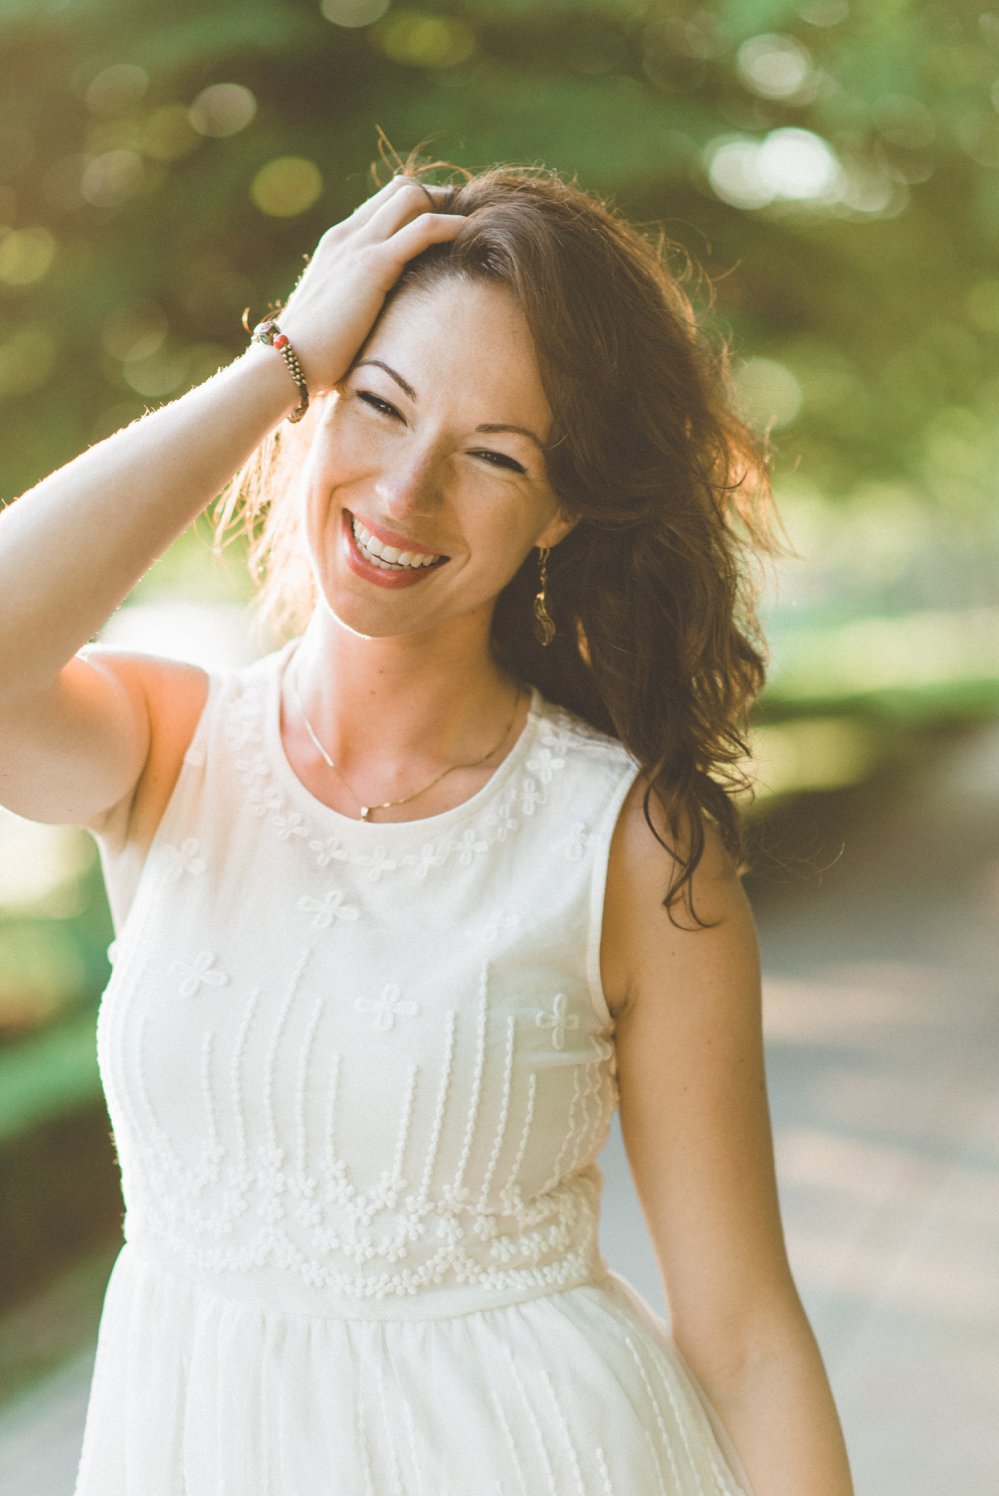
(26, 255)
(798, 164)
(222, 109)
(135, 331)
(111, 177)
(769, 393)
(774, 66)
(169, 134)
(116, 88)
(419, 40)
(791, 164)
(27, 361)
(286, 186)
(354, 13)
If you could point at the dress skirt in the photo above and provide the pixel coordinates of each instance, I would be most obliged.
(573, 1393)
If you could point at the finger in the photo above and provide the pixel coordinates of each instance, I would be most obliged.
(434, 192)
(364, 211)
(402, 207)
(409, 198)
(429, 228)
(367, 210)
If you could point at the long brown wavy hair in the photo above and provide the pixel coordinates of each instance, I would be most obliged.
(653, 590)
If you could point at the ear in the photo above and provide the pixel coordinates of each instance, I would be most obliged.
(557, 528)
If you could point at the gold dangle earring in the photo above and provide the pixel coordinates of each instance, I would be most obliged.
(544, 624)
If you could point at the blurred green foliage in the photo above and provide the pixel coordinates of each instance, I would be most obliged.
(164, 165)
(48, 1073)
(55, 928)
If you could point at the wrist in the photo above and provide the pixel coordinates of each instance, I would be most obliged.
(271, 372)
(272, 335)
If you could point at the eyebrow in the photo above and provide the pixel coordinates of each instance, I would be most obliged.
(377, 364)
(487, 428)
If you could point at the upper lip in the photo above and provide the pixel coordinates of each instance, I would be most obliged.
(401, 543)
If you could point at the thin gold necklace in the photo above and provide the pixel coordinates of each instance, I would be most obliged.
(365, 810)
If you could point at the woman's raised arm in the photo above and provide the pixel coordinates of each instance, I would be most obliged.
(75, 731)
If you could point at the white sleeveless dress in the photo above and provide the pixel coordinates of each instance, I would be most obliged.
(359, 1075)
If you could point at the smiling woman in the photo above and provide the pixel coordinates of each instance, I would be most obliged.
(413, 462)
(391, 942)
(612, 403)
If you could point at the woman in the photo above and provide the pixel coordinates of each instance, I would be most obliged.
(407, 906)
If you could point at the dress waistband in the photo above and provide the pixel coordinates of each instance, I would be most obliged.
(271, 1291)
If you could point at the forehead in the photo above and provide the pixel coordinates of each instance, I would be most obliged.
(462, 339)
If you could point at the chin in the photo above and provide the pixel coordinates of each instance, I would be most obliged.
(350, 619)
(359, 621)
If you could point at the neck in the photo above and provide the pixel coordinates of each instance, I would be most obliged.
(391, 708)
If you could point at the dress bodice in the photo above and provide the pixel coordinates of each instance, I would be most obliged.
(362, 1067)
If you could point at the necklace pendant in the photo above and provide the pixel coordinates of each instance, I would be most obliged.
(365, 812)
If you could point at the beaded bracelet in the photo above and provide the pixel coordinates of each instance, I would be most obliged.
(270, 334)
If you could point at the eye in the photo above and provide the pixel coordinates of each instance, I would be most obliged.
(500, 459)
(377, 403)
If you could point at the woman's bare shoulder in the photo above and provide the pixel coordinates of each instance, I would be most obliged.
(638, 931)
(175, 693)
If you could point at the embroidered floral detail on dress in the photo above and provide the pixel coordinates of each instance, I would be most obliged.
(558, 1020)
(377, 862)
(574, 845)
(255, 767)
(387, 1006)
(264, 799)
(272, 1182)
(185, 858)
(500, 821)
(555, 732)
(546, 760)
(330, 907)
(348, 1239)
(530, 797)
(429, 856)
(290, 823)
(307, 1207)
(501, 922)
(468, 847)
(202, 972)
(328, 849)
(456, 1196)
(242, 726)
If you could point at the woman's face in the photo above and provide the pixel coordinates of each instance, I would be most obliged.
(426, 485)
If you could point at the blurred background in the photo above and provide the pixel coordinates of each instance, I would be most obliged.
(833, 168)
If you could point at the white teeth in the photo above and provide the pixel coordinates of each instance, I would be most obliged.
(386, 556)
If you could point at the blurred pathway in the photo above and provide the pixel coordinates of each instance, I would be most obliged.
(882, 1018)
(883, 1028)
(882, 979)
(40, 1436)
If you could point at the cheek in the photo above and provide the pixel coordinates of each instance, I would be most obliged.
(500, 543)
(345, 442)
(336, 461)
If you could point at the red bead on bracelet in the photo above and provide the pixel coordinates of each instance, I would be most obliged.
(268, 332)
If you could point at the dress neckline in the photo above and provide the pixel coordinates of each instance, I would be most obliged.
(442, 821)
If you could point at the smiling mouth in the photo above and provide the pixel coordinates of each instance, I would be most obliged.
(387, 557)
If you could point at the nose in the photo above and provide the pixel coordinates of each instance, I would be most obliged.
(410, 484)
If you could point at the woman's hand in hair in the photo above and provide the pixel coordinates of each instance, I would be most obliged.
(339, 295)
